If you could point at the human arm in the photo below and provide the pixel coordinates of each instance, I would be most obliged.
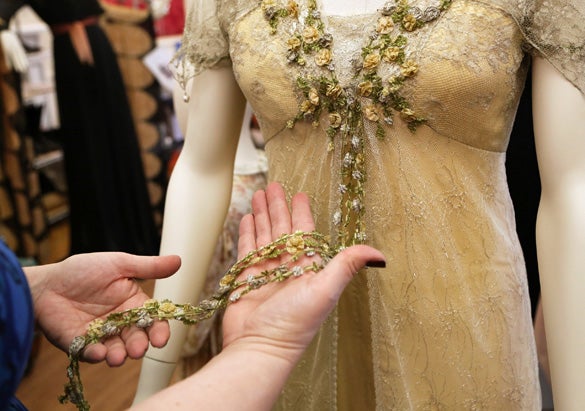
(267, 330)
(559, 124)
(197, 200)
(70, 294)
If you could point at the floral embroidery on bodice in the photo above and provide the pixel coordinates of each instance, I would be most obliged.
(367, 96)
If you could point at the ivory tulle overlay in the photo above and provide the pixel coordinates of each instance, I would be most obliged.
(447, 325)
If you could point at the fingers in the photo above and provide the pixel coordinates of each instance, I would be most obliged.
(117, 348)
(341, 269)
(113, 350)
(153, 267)
(95, 353)
(135, 341)
(247, 236)
(271, 215)
(159, 333)
(278, 209)
(262, 222)
(302, 218)
(132, 342)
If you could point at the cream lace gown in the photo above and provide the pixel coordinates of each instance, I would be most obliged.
(405, 151)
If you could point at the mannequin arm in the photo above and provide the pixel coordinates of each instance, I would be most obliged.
(197, 201)
(14, 54)
(559, 113)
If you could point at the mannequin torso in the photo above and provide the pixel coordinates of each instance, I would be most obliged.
(565, 89)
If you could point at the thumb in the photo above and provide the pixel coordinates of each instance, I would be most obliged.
(154, 267)
(342, 268)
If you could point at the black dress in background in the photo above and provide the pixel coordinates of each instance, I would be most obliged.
(109, 205)
(524, 184)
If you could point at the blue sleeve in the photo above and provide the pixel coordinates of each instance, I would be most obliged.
(16, 327)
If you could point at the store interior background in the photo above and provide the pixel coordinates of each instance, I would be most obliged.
(40, 209)
(33, 192)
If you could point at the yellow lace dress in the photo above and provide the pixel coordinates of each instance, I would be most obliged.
(398, 132)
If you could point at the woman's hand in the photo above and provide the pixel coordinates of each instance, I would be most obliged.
(267, 329)
(282, 318)
(69, 295)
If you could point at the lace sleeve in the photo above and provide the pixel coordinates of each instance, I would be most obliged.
(555, 31)
(204, 43)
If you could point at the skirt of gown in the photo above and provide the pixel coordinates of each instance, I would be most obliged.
(109, 204)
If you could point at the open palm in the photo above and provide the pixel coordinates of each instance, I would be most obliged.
(89, 286)
(260, 317)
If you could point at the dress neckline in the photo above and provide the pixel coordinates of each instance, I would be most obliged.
(336, 15)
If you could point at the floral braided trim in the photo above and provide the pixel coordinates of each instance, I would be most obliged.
(386, 45)
(230, 290)
(373, 98)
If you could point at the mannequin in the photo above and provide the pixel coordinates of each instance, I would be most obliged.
(204, 339)
(559, 228)
(248, 161)
(559, 108)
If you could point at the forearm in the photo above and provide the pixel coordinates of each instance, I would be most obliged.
(190, 230)
(240, 378)
(197, 201)
(561, 241)
(559, 125)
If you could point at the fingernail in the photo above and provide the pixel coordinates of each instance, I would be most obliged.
(376, 264)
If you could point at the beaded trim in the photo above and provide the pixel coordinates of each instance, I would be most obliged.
(231, 288)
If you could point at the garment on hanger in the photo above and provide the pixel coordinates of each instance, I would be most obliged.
(396, 124)
(109, 205)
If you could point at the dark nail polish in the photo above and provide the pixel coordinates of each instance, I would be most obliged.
(376, 264)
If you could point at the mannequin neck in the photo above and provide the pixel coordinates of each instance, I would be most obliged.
(349, 7)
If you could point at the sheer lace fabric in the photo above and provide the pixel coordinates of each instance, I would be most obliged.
(447, 325)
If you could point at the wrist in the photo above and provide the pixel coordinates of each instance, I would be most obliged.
(245, 375)
(280, 353)
(36, 277)
(242, 366)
